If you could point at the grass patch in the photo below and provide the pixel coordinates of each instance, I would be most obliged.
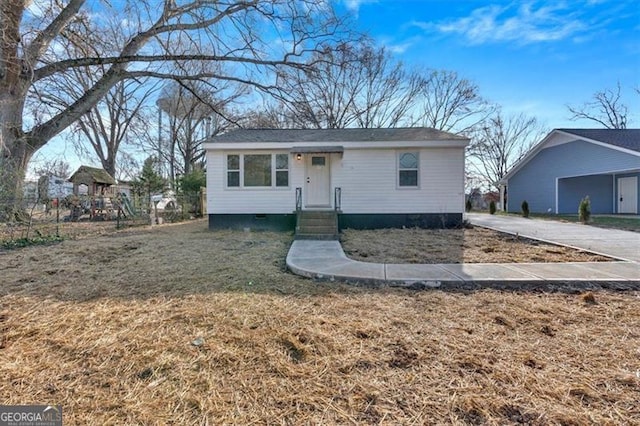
(467, 245)
(601, 221)
(26, 242)
(185, 326)
(623, 223)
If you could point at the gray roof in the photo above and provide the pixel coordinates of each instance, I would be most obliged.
(336, 135)
(623, 138)
(98, 175)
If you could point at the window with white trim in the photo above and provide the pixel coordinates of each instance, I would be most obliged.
(282, 169)
(408, 163)
(233, 170)
(257, 170)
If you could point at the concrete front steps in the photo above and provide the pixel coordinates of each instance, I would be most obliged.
(317, 225)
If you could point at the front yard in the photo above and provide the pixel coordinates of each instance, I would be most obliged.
(185, 326)
(471, 245)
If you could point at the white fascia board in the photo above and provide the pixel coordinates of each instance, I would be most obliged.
(606, 145)
(241, 146)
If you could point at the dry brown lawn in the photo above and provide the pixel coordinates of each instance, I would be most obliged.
(179, 325)
(471, 245)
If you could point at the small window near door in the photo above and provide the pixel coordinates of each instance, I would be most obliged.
(408, 169)
(282, 169)
(318, 161)
(233, 170)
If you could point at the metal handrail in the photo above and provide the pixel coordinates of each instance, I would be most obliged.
(337, 198)
(298, 199)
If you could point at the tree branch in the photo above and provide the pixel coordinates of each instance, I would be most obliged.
(39, 44)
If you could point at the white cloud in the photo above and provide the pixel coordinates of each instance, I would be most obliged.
(526, 24)
(354, 5)
(399, 49)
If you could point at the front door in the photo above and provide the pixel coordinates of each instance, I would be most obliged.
(317, 181)
(628, 195)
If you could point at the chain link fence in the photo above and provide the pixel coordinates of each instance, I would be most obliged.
(76, 216)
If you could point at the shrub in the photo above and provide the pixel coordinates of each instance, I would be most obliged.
(584, 210)
(492, 207)
(27, 242)
(525, 208)
(467, 206)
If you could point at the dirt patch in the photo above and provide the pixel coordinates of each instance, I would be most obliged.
(179, 325)
(468, 245)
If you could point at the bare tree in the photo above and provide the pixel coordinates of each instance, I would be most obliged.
(56, 167)
(498, 143)
(389, 91)
(273, 115)
(116, 117)
(252, 37)
(111, 122)
(452, 103)
(605, 108)
(194, 112)
(349, 86)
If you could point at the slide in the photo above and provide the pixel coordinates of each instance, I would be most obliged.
(127, 207)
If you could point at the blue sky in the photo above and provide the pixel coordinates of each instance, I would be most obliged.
(528, 56)
(533, 57)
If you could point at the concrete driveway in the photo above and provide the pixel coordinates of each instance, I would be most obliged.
(624, 245)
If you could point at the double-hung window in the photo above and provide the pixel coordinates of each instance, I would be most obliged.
(233, 170)
(257, 170)
(282, 169)
(408, 167)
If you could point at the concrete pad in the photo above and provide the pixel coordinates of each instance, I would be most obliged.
(318, 265)
(611, 242)
(625, 270)
(357, 271)
(327, 260)
(471, 272)
(425, 273)
(301, 249)
(565, 271)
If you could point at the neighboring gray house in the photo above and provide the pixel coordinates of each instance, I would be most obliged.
(569, 164)
(370, 178)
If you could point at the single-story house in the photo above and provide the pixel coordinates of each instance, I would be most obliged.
(569, 164)
(372, 178)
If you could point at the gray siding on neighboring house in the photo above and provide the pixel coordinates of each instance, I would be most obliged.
(599, 189)
(536, 180)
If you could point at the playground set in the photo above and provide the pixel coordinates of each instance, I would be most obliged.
(96, 194)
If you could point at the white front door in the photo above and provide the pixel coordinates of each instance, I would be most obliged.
(317, 181)
(628, 195)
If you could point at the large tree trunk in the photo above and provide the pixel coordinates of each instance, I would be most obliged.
(16, 150)
(12, 173)
(109, 165)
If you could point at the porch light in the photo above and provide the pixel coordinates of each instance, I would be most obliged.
(298, 156)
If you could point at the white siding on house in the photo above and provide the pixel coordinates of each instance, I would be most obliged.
(368, 178)
(223, 200)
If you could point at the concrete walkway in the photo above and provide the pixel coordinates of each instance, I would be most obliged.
(623, 245)
(325, 260)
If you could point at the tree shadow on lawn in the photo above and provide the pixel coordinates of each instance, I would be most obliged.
(179, 261)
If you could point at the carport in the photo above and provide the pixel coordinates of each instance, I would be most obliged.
(616, 192)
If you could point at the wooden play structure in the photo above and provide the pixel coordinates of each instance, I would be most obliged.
(94, 189)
